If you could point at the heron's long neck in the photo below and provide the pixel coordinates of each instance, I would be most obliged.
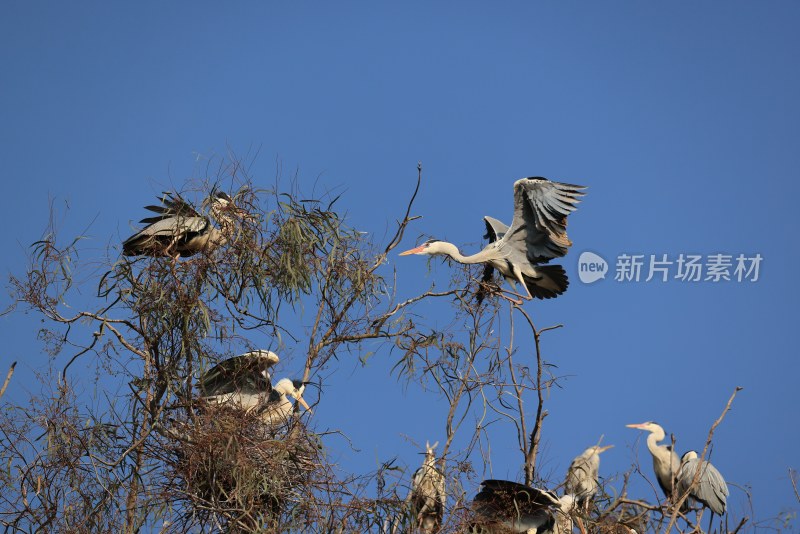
(430, 460)
(653, 439)
(449, 249)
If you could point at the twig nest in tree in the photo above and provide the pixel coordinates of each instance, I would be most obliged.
(235, 466)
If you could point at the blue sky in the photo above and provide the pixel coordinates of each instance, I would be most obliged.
(682, 119)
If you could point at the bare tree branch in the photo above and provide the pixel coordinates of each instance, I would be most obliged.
(8, 379)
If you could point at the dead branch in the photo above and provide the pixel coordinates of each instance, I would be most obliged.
(699, 472)
(8, 379)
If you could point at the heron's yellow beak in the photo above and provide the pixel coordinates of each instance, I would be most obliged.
(635, 425)
(412, 251)
(304, 404)
(603, 449)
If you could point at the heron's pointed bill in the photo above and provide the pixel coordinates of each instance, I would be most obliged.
(640, 426)
(416, 250)
(304, 404)
(603, 449)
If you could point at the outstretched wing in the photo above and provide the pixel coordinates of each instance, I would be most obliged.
(539, 226)
(172, 205)
(246, 373)
(494, 229)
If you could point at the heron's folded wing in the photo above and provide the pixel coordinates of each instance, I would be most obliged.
(245, 373)
(174, 226)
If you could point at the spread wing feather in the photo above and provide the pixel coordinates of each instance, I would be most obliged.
(541, 208)
(172, 205)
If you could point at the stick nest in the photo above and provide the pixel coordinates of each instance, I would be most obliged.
(242, 473)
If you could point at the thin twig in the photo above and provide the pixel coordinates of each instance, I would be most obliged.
(699, 471)
(740, 525)
(792, 477)
(530, 460)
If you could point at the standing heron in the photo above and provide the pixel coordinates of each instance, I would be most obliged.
(180, 231)
(427, 494)
(582, 475)
(538, 233)
(503, 506)
(709, 488)
(665, 462)
(244, 382)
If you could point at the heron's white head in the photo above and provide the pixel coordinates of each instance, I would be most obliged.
(648, 426)
(430, 455)
(293, 388)
(224, 209)
(431, 247)
(597, 449)
(688, 455)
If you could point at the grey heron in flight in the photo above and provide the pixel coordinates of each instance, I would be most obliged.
(427, 495)
(503, 506)
(665, 462)
(710, 489)
(179, 230)
(244, 382)
(538, 233)
(582, 475)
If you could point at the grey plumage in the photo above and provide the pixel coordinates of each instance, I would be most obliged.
(246, 375)
(582, 475)
(244, 382)
(495, 229)
(710, 489)
(537, 234)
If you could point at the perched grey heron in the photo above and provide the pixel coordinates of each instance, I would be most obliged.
(538, 233)
(505, 506)
(244, 382)
(427, 494)
(179, 230)
(665, 462)
(710, 489)
(582, 475)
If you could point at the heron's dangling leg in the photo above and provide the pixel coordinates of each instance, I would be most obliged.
(519, 278)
